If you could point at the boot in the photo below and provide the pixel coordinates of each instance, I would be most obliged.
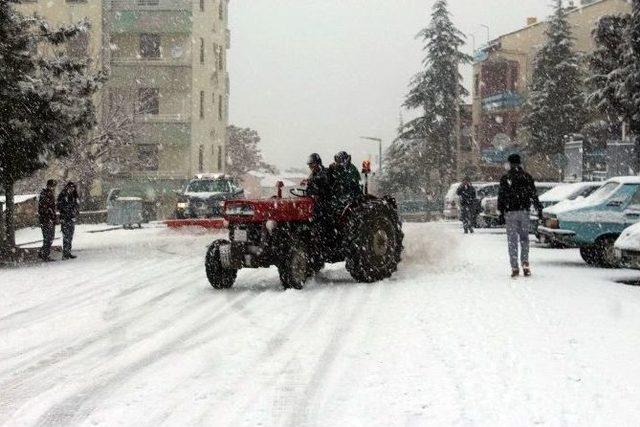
(68, 255)
(515, 272)
(526, 270)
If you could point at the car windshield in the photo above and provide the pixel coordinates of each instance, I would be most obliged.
(208, 186)
(604, 192)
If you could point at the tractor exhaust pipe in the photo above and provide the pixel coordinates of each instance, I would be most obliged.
(279, 187)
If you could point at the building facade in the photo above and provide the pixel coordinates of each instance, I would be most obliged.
(503, 69)
(167, 64)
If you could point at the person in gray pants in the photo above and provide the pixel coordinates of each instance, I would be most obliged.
(516, 195)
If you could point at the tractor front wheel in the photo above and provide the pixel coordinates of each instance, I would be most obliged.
(219, 276)
(295, 268)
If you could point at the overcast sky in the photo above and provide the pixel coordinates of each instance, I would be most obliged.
(315, 75)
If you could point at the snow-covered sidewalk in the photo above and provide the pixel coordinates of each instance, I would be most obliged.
(130, 333)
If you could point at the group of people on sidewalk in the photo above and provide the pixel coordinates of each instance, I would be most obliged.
(68, 206)
(516, 195)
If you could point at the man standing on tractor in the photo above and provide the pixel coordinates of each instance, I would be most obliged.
(345, 181)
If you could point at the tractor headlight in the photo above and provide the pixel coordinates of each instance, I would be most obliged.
(183, 205)
(242, 210)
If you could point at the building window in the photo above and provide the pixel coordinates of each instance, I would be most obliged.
(148, 157)
(78, 46)
(201, 159)
(68, 1)
(202, 104)
(201, 50)
(476, 85)
(148, 101)
(150, 46)
(220, 108)
(221, 10)
(219, 159)
(201, 5)
(219, 57)
(148, 2)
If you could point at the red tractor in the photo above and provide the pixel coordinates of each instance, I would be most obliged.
(279, 231)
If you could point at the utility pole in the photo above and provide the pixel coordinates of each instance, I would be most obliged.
(379, 141)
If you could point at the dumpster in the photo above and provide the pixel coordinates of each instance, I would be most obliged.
(124, 211)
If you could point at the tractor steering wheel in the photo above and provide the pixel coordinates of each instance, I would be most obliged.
(298, 192)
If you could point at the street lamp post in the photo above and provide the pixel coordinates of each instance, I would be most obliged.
(486, 27)
(379, 141)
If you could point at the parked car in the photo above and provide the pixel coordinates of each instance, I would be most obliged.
(452, 201)
(205, 194)
(627, 247)
(561, 194)
(489, 214)
(593, 224)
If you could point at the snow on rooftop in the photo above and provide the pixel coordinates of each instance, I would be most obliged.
(17, 199)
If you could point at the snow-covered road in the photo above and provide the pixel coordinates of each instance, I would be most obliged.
(132, 334)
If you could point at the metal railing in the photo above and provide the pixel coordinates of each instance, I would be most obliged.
(163, 118)
(151, 5)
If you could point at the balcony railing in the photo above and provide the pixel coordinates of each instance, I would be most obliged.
(151, 5)
(152, 20)
(163, 118)
(151, 62)
(502, 101)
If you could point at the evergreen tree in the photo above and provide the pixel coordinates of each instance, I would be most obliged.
(45, 101)
(438, 92)
(556, 105)
(243, 153)
(629, 90)
(603, 84)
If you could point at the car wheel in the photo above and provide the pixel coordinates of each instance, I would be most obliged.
(607, 255)
(590, 255)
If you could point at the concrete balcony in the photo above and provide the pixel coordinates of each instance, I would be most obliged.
(502, 101)
(151, 20)
(140, 74)
(118, 5)
(151, 62)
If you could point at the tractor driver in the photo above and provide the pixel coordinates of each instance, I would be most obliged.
(318, 187)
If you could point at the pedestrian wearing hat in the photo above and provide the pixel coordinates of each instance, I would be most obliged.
(467, 195)
(516, 195)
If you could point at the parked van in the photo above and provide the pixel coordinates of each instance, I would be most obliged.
(593, 224)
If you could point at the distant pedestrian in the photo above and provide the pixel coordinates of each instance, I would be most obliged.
(47, 217)
(467, 195)
(516, 195)
(69, 207)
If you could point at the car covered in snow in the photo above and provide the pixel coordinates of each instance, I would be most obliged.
(489, 214)
(593, 224)
(205, 194)
(561, 194)
(627, 247)
(452, 201)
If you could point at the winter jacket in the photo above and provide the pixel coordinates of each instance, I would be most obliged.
(345, 183)
(467, 195)
(68, 205)
(318, 185)
(517, 192)
(47, 206)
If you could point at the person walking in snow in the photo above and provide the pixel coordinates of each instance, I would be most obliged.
(47, 217)
(69, 207)
(516, 195)
(467, 195)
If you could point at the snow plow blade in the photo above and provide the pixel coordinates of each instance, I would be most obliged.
(209, 223)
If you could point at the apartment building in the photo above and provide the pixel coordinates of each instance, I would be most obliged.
(503, 69)
(168, 67)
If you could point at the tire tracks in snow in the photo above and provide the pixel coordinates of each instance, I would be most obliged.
(76, 408)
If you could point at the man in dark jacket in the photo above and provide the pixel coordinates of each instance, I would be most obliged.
(318, 187)
(47, 217)
(517, 193)
(69, 207)
(467, 195)
(344, 180)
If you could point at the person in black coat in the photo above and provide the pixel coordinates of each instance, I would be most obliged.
(47, 217)
(69, 207)
(516, 195)
(467, 195)
(319, 188)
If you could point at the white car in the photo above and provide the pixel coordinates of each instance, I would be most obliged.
(452, 201)
(627, 247)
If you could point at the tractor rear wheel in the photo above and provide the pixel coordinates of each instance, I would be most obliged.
(295, 268)
(376, 243)
(219, 276)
